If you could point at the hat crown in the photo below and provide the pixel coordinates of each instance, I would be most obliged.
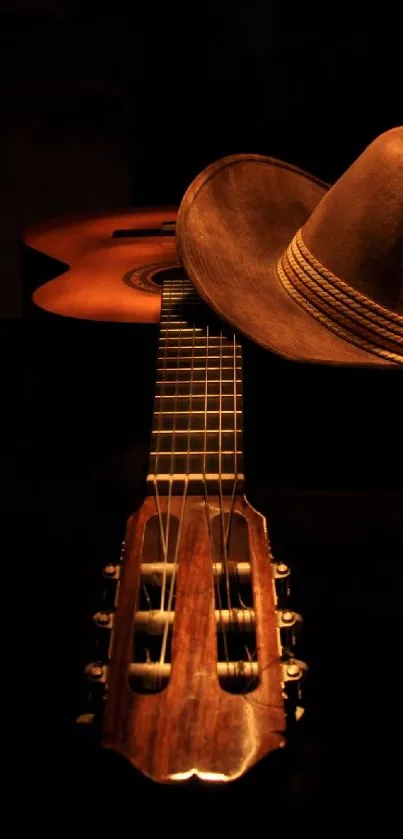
(310, 272)
(356, 231)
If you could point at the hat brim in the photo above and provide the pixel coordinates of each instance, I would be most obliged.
(235, 221)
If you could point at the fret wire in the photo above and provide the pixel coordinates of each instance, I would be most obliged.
(188, 369)
(188, 382)
(169, 413)
(195, 461)
(177, 451)
(181, 341)
(175, 344)
(182, 330)
(200, 338)
(196, 396)
(197, 476)
(188, 357)
(193, 431)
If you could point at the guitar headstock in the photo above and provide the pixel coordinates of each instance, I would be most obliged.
(198, 674)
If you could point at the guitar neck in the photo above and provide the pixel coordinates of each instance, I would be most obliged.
(197, 430)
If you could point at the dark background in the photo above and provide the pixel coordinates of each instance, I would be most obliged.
(102, 107)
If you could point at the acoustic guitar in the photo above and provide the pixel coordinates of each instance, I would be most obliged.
(199, 675)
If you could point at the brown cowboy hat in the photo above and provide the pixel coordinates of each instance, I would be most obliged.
(311, 272)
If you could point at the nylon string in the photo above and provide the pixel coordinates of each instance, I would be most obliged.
(225, 531)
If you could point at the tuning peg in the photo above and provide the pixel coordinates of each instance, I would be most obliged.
(93, 699)
(282, 574)
(111, 577)
(95, 686)
(104, 619)
(86, 719)
(289, 623)
(294, 671)
(103, 625)
(111, 571)
(96, 672)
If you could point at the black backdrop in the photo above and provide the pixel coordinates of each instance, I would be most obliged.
(102, 107)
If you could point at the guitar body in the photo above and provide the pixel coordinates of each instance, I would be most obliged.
(198, 675)
(101, 275)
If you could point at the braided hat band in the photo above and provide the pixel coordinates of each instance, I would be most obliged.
(342, 309)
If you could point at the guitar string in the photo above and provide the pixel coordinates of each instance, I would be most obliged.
(167, 525)
(224, 534)
(186, 483)
(234, 486)
(187, 470)
(276, 659)
(175, 564)
(224, 545)
(235, 481)
(162, 535)
(207, 506)
(165, 536)
(157, 450)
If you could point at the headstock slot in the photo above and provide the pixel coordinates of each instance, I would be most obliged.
(155, 613)
(234, 604)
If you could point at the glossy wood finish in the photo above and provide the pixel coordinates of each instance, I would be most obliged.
(93, 287)
(193, 726)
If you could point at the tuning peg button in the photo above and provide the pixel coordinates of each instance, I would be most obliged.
(294, 671)
(282, 574)
(111, 577)
(104, 619)
(281, 570)
(96, 671)
(93, 697)
(103, 623)
(289, 623)
(111, 571)
(85, 719)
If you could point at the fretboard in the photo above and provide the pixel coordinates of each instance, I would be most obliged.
(197, 422)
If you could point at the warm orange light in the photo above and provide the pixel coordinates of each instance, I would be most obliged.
(213, 777)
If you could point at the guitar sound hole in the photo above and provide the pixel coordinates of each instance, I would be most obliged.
(234, 605)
